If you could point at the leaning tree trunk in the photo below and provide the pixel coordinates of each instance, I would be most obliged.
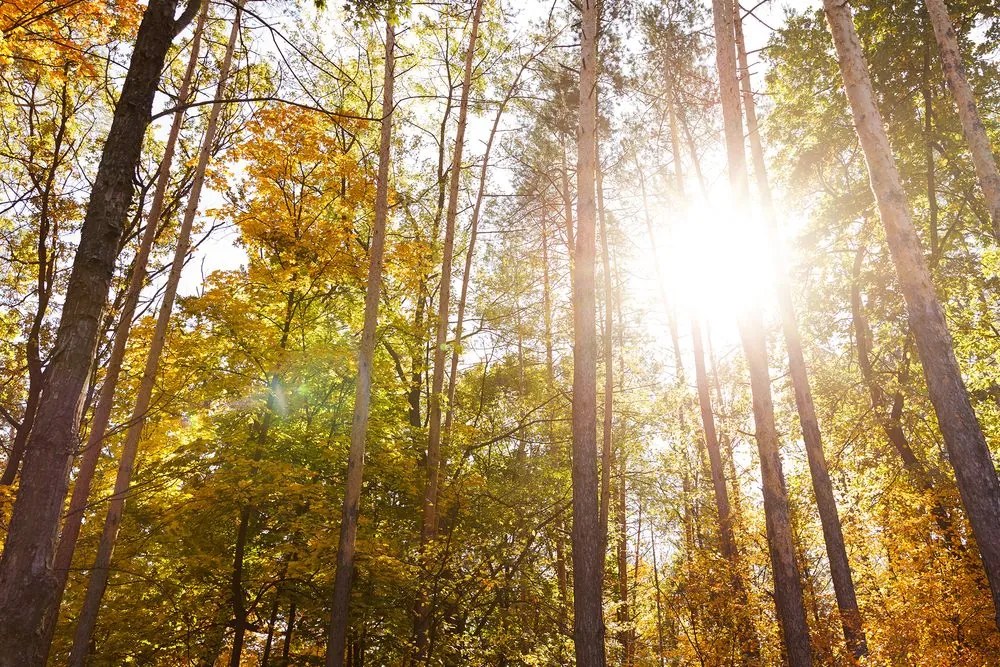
(433, 464)
(105, 402)
(588, 556)
(968, 114)
(826, 503)
(787, 586)
(27, 581)
(362, 392)
(87, 620)
(963, 436)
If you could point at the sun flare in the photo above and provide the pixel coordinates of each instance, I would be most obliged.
(715, 258)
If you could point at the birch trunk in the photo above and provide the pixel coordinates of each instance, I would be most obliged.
(27, 581)
(967, 450)
(362, 392)
(100, 573)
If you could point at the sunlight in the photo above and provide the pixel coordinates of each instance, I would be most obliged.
(717, 259)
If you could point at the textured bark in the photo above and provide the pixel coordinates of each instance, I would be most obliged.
(588, 557)
(826, 503)
(362, 393)
(963, 437)
(968, 113)
(87, 620)
(105, 402)
(27, 580)
(787, 586)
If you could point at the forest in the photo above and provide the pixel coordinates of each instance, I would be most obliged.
(492, 333)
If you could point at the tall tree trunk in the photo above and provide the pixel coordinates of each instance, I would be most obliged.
(968, 114)
(105, 402)
(588, 557)
(101, 571)
(826, 503)
(963, 437)
(787, 586)
(362, 392)
(433, 464)
(27, 581)
(607, 426)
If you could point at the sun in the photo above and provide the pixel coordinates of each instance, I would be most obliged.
(716, 260)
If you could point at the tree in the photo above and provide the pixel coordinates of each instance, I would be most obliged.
(588, 555)
(974, 469)
(362, 397)
(27, 583)
(788, 588)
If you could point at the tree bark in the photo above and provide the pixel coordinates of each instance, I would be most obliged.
(968, 113)
(974, 468)
(787, 586)
(362, 392)
(588, 557)
(27, 580)
(826, 503)
(105, 402)
(99, 575)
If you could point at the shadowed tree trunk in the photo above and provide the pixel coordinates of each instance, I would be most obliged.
(787, 586)
(963, 437)
(588, 556)
(97, 584)
(826, 503)
(362, 393)
(105, 402)
(27, 581)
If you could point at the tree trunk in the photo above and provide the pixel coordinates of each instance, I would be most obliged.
(661, 653)
(727, 539)
(237, 595)
(27, 581)
(963, 437)
(826, 503)
(968, 114)
(607, 426)
(362, 394)
(624, 632)
(433, 464)
(588, 557)
(105, 402)
(100, 573)
(787, 586)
